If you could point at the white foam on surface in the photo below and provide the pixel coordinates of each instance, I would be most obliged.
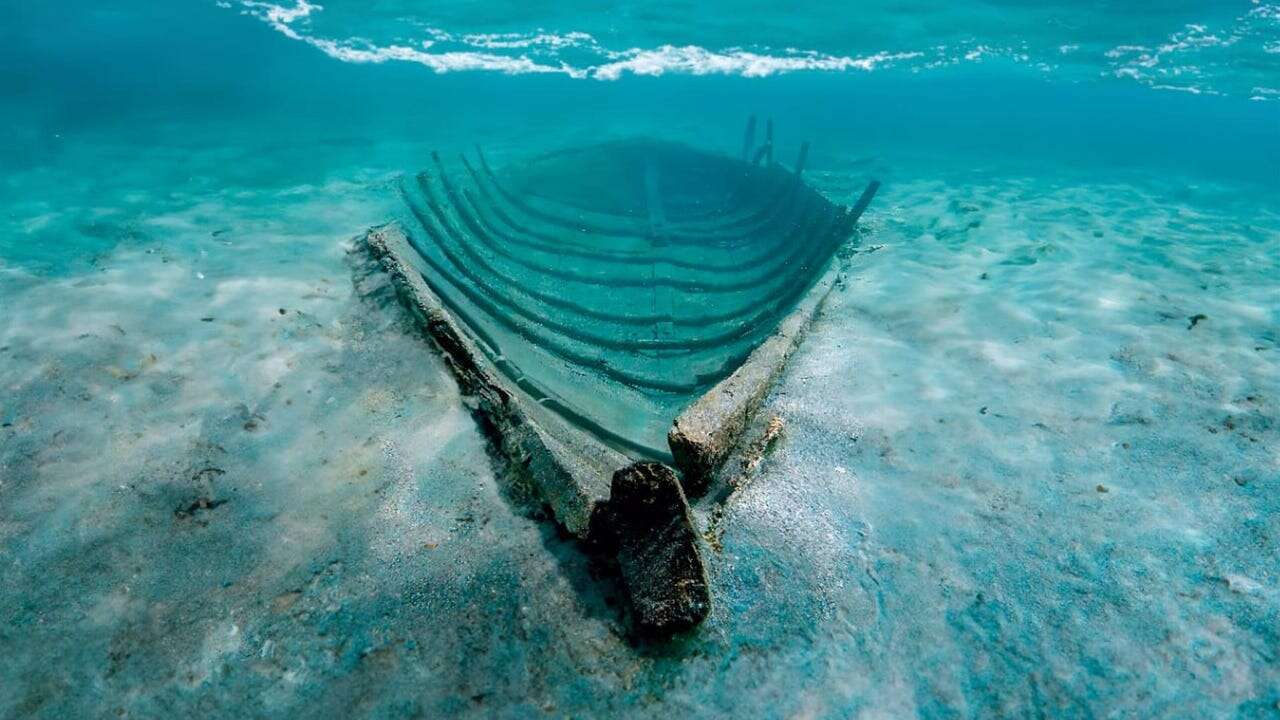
(686, 59)
(1200, 58)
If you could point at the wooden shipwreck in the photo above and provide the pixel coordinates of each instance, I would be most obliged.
(619, 312)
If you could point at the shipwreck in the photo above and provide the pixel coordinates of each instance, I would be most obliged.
(618, 313)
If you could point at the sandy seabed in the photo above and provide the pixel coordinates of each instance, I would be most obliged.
(1029, 466)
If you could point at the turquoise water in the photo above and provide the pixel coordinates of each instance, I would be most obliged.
(1029, 462)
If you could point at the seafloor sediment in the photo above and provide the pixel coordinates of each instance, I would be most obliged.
(1028, 466)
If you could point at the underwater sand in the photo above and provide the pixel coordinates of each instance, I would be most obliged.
(1011, 461)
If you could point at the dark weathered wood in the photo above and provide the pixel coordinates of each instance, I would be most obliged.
(804, 156)
(657, 549)
(749, 138)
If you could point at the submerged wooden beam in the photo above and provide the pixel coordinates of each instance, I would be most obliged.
(705, 434)
(749, 139)
(804, 156)
(658, 549)
(768, 142)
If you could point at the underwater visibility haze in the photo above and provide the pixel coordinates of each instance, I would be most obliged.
(1025, 462)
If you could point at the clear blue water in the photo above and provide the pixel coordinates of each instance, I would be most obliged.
(1029, 465)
